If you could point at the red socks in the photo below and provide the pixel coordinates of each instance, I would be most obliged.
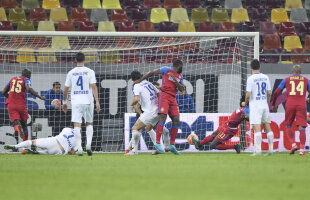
(173, 134)
(302, 138)
(225, 146)
(207, 139)
(159, 131)
(290, 134)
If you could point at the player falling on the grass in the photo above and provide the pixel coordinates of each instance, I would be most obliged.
(61, 144)
(259, 94)
(82, 81)
(146, 94)
(15, 92)
(172, 81)
(295, 106)
(226, 131)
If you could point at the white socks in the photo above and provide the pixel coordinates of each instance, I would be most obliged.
(270, 141)
(152, 134)
(135, 142)
(258, 142)
(166, 138)
(25, 144)
(89, 136)
(78, 137)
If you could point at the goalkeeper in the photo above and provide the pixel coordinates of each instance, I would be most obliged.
(226, 131)
(61, 144)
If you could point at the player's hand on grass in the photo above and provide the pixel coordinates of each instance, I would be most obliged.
(98, 107)
(65, 108)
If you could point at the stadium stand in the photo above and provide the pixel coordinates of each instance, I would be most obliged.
(269, 17)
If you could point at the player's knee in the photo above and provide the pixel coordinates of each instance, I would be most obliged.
(16, 122)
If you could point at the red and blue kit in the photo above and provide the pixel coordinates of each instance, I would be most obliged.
(295, 107)
(16, 102)
(230, 127)
(167, 103)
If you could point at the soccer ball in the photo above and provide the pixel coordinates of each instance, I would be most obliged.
(56, 102)
(189, 138)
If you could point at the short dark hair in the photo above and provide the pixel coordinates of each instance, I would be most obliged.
(80, 57)
(177, 63)
(255, 64)
(156, 83)
(56, 83)
(26, 73)
(135, 75)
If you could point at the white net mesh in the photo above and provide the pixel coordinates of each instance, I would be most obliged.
(214, 71)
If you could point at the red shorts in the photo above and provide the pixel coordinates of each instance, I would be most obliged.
(298, 112)
(225, 133)
(167, 104)
(17, 113)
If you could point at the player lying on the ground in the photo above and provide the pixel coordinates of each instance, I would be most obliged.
(15, 92)
(146, 95)
(172, 81)
(295, 107)
(61, 144)
(224, 132)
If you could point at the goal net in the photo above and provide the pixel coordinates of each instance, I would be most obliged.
(215, 71)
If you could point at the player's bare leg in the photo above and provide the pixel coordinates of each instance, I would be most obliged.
(159, 131)
(291, 137)
(25, 130)
(173, 134)
(151, 132)
(302, 138)
(77, 134)
(199, 144)
(89, 137)
(257, 140)
(270, 138)
(19, 129)
(166, 140)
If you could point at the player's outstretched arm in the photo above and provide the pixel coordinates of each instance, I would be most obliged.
(5, 91)
(146, 76)
(95, 93)
(33, 92)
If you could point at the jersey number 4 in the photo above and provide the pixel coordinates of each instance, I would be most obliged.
(16, 86)
(299, 88)
(79, 82)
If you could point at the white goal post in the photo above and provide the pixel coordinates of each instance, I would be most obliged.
(216, 65)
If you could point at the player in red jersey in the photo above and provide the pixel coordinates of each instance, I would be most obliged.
(295, 107)
(226, 131)
(15, 92)
(172, 81)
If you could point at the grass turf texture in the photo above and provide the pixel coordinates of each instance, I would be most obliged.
(189, 176)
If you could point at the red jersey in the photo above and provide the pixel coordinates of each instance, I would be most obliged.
(17, 92)
(296, 87)
(236, 117)
(168, 85)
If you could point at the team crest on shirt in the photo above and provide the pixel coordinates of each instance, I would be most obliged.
(162, 110)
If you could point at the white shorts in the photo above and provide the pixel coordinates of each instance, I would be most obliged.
(80, 111)
(259, 115)
(148, 118)
(50, 145)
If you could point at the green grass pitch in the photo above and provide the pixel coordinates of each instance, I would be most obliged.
(163, 177)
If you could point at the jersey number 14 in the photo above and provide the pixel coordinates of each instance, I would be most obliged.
(299, 88)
